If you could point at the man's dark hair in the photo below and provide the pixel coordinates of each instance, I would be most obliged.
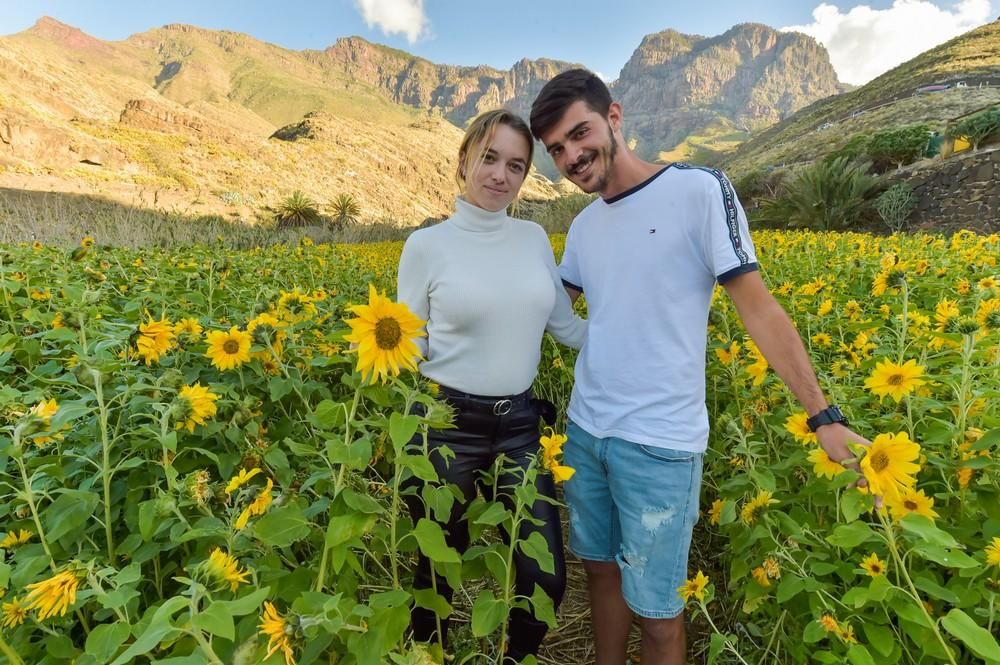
(571, 86)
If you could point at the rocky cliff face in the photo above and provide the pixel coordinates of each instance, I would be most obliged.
(458, 93)
(752, 75)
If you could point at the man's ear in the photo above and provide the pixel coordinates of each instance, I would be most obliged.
(461, 165)
(615, 116)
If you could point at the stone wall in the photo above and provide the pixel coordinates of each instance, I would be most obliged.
(960, 192)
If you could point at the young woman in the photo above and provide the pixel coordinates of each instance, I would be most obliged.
(488, 288)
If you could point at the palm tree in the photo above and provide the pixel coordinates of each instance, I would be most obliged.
(346, 210)
(297, 210)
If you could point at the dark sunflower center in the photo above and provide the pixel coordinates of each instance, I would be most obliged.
(895, 379)
(880, 461)
(232, 347)
(388, 333)
(910, 505)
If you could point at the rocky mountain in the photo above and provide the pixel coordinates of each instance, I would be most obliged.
(967, 67)
(458, 93)
(191, 119)
(676, 85)
(196, 116)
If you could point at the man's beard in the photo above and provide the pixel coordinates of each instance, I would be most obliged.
(608, 154)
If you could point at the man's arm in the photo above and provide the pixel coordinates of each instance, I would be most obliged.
(572, 293)
(773, 333)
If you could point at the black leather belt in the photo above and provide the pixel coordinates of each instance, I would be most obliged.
(498, 406)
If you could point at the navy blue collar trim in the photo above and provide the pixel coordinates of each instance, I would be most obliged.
(633, 190)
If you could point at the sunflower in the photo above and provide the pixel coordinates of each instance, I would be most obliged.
(222, 568)
(829, 623)
(821, 339)
(241, 479)
(760, 575)
(825, 308)
(873, 565)
(988, 283)
(43, 412)
(824, 466)
(796, 425)
(15, 538)
(196, 484)
(276, 628)
(551, 452)
(54, 595)
(988, 314)
(726, 356)
(753, 508)
(155, 339)
(194, 405)
(13, 613)
(993, 552)
(228, 350)
(294, 306)
(694, 587)
(909, 501)
(889, 465)
(715, 512)
(189, 327)
(895, 380)
(266, 330)
(384, 332)
(257, 507)
(853, 310)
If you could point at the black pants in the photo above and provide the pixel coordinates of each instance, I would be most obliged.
(479, 438)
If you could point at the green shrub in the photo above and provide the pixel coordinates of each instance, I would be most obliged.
(854, 150)
(297, 210)
(979, 127)
(827, 195)
(898, 147)
(895, 206)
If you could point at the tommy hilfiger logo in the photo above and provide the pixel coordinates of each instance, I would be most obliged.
(652, 230)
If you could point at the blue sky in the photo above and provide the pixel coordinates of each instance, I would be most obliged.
(601, 35)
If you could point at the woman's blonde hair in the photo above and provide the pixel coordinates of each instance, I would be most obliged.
(480, 132)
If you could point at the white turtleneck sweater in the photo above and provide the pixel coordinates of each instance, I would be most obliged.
(488, 287)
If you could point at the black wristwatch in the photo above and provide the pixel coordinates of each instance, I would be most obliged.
(828, 416)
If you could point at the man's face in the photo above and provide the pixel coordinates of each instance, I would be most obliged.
(583, 146)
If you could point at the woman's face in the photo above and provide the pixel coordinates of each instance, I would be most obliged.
(501, 172)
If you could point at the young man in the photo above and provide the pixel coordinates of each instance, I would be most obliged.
(648, 254)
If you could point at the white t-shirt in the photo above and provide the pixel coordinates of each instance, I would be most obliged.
(488, 288)
(648, 261)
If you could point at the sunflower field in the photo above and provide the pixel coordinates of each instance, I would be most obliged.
(204, 454)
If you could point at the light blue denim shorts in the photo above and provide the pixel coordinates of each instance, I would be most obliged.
(636, 505)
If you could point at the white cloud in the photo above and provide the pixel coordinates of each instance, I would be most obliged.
(866, 42)
(395, 17)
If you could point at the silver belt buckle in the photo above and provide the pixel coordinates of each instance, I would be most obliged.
(502, 407)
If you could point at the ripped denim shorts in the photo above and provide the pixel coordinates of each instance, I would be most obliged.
(636, 505)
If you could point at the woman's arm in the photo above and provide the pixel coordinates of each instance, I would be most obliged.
(563, 324)
(413, 284)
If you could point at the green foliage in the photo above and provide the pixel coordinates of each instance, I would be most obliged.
(979, 127)
(898, 146)
(895, 206)
(297, 210)
(346, 210)
(555, 216)
(855, 148)
(759, 184)
(825, 196)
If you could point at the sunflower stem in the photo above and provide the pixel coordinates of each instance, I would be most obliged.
(901, 566)
(7, 651)
(29, 496)
(105, 463)
(708, 618)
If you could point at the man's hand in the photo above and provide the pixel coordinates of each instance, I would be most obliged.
(834, 439)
